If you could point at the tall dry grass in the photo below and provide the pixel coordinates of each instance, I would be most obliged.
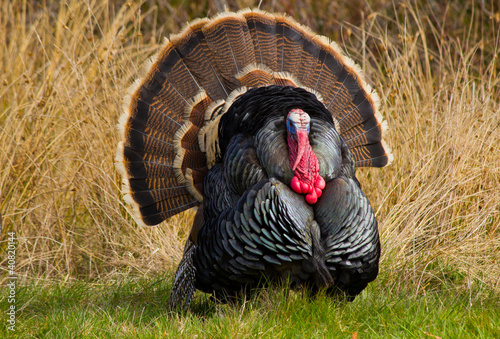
(65, 69)
(439, 202)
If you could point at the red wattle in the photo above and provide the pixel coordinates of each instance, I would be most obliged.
(318, 191)
(306, 188)
(302, 143)
(311, 198)
(295, 184)
(319, 182)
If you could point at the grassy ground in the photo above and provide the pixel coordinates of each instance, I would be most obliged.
(65, 67)
(136, 308)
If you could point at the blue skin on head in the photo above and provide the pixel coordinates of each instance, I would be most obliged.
(291, 125)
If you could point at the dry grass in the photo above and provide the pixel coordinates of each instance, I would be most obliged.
(439, 203)
(65, 69)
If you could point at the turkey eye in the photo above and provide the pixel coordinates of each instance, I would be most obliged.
(290, 126)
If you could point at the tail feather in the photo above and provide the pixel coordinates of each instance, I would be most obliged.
(228, 37)
(285, 79)
(328, 74)
(195, 111)
(155, 213)
(368, 154)
(158, 91)
(152, 196)
(309, 60)
(262, 27)
(138, 140)
(148, 166)
(367, 137)
(168, 128)
(289, 40)
(255, 76)
(151, 184)
(192, 46)
(175, 73)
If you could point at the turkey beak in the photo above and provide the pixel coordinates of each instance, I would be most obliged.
(302, 136)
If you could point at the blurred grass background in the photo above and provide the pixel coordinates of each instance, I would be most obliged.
(66, 66)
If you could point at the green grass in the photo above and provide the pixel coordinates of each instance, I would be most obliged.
(137, 308)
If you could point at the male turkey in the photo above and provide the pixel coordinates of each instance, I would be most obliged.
(261, 124)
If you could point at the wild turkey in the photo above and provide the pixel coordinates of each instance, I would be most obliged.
(260, 124)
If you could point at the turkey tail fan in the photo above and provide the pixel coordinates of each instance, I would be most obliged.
(169, 128)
